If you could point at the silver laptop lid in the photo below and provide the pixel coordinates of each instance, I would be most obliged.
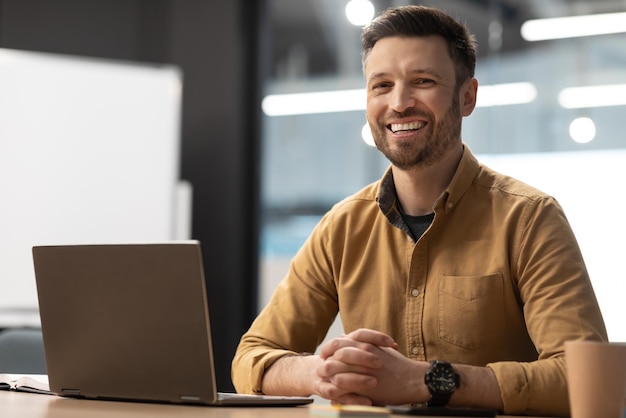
(126, 321)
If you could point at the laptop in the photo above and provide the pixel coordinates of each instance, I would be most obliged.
(131, 322)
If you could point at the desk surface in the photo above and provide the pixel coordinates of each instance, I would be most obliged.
(27, 405)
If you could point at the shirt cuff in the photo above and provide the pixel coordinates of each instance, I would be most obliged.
(260, 365)
(513, 384)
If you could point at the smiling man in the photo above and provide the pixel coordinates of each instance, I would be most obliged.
(456, 285)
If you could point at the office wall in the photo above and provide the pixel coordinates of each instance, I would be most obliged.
(215, 45)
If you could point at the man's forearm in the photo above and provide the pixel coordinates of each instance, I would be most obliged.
(296, 376)
(478, 388)
(291, 376)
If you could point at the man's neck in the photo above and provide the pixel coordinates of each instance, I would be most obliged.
(419, 188)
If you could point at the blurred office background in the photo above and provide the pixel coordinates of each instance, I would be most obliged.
(263, 174)
(550, 107)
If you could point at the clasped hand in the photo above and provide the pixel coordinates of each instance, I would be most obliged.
(364, 367)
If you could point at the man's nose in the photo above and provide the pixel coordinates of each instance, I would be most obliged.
(402, 99)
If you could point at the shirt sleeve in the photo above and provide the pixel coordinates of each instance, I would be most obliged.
(296, 319)
(559, 304)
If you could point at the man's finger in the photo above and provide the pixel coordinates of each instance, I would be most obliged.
(331, 367)
(373, 337)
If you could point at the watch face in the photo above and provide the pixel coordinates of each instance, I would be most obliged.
(441, 378)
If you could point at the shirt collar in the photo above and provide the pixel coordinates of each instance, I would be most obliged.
(387, 202)
(465, 173)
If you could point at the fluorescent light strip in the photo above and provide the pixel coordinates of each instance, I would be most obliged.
(593, 96)
(506, 94)
(316, 102)
(573, 26)
(355, 100)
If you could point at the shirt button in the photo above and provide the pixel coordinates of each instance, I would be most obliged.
(415, 350)
(415, 292)
(450, 205)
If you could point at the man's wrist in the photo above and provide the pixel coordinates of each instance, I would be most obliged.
(291, 374)
(418, 391)
(479, 388)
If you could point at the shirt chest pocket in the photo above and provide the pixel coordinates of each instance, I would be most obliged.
(471, 310)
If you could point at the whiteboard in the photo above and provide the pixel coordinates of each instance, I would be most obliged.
(89, 153)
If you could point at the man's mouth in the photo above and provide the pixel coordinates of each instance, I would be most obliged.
(412, 126)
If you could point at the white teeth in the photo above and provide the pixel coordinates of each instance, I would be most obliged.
(395, 127)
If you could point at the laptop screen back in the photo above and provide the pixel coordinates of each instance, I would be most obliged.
(126, 321)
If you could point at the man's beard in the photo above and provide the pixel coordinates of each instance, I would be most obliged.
(426, 151)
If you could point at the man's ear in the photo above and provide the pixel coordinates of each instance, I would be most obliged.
(468, 94)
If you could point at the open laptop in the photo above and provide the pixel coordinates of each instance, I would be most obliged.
(130, 322)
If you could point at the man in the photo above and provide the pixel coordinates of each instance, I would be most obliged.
(442, 259)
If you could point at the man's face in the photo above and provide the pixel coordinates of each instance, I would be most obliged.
(413, 105)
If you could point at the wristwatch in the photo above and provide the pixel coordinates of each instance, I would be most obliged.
(442, 381)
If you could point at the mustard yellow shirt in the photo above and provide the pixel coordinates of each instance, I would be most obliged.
(497, 280)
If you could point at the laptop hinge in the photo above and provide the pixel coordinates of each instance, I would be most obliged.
(189, 398)
(70, 392)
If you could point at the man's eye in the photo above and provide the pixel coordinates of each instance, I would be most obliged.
(424, 82)
(379, 86)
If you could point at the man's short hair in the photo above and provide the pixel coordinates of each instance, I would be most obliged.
(417, 21)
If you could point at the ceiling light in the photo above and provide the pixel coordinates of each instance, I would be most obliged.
(582, 130)
(593, 96)
(506, 94)
(573, 26)
(366, 135)
(360, 12)
(316, 102)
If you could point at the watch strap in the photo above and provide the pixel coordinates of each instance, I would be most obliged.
(439, 399)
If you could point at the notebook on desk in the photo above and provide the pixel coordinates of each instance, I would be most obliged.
(130, 322)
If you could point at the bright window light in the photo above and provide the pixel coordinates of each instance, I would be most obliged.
(360, 12)
(582, 130)
(593, 96)
(573, 26)
(506, 94)
(354, 100)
